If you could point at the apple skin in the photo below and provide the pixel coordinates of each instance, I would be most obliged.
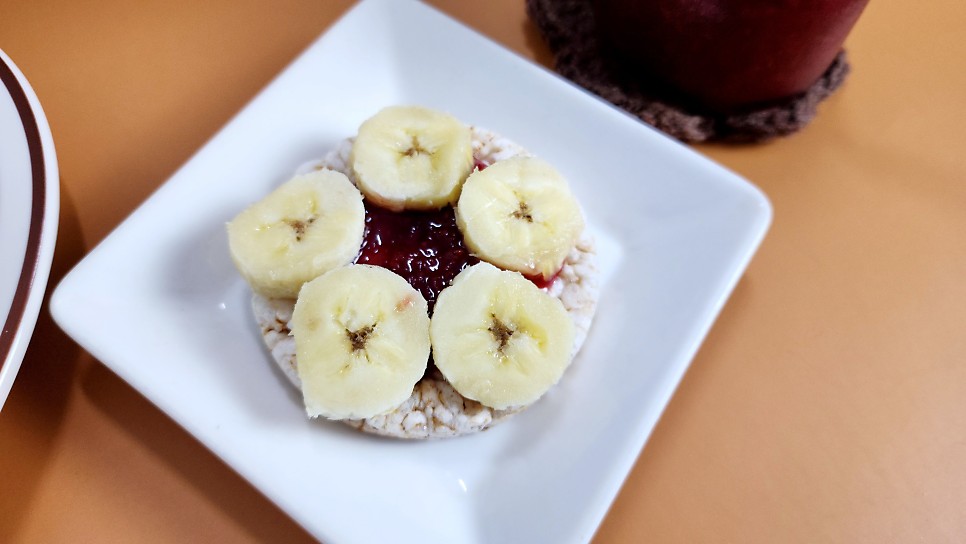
(726, 56)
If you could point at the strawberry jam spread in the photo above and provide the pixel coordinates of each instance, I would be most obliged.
(425, 248)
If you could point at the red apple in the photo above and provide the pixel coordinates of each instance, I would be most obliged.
(727, 55)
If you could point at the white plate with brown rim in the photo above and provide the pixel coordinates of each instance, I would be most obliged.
(29, 206)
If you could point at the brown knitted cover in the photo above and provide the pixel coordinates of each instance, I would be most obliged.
(568, 27)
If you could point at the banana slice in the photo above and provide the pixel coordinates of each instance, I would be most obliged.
(412, 158)
(519, 214)
(361, 341)
(498, 339)
(309, 225)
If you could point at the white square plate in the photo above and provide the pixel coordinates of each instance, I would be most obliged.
(160, 303)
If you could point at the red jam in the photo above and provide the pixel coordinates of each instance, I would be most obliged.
(425, 248)
(540, 281)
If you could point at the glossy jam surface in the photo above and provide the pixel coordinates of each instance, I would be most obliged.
(540, 281)
(425, 248)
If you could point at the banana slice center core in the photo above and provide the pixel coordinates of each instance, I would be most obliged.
(523, 212)
(358, 338)
(299, 226)
(501, 333)
(415, 148)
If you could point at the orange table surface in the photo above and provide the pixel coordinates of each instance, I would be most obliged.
(828, 403)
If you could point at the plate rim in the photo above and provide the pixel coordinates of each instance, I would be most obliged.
(25, 306)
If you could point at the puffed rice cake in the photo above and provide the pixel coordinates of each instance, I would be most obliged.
(435, 409)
